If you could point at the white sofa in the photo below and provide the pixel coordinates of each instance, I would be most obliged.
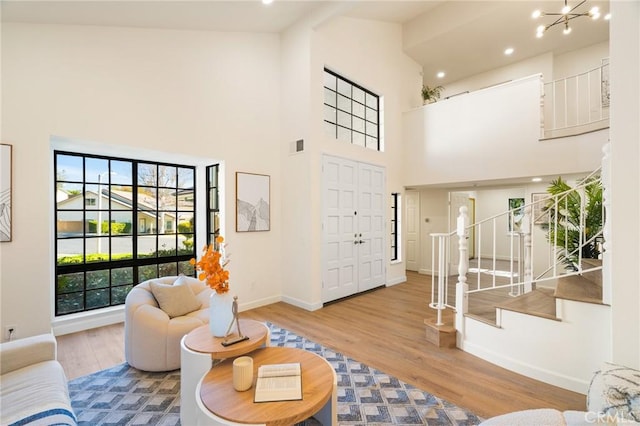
(33, 386)
(151, 336)
(613, 398)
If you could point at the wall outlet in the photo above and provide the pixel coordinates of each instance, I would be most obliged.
(10, 332)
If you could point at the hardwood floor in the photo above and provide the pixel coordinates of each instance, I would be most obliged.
(384, 329)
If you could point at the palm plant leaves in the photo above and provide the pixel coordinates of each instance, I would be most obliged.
(565, 205)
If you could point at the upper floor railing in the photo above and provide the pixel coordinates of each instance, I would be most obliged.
(576, 104)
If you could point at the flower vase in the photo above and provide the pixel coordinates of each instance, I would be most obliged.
(220, 313)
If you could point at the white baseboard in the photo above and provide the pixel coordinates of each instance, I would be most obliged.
(424, 271)
(532, 371)
(302, 304)
(397, 280)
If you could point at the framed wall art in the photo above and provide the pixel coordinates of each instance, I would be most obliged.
(252, 202)
(5, 192)
(540, 216)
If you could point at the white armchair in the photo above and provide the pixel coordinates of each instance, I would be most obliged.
(151, 337)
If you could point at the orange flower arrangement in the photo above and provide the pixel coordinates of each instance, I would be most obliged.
(211, 266)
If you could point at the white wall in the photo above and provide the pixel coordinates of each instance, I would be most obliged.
(469, 137)
(434, 218)
(134, 91)
(579, 61)
(490, 203)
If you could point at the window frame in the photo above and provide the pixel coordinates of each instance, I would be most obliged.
(339, 124)
(117, 276)
(395, 227)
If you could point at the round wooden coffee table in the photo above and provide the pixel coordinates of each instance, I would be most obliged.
(199, 348)
(219, 400)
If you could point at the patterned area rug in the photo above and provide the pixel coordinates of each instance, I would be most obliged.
(122, 395)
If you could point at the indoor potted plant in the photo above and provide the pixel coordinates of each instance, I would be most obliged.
(430, 94)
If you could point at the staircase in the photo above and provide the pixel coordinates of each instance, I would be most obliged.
(542, 320)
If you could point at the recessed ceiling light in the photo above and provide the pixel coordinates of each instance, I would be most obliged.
(536, 179)
(508, 51)
(267, 1)
(440, 74)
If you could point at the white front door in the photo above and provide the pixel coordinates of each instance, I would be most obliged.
(353, 227)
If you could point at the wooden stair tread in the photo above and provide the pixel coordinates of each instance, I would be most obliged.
(447, 327)
(578, 288)
(539, 302)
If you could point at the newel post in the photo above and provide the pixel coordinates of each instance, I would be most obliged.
(462, 298)
(528, 252)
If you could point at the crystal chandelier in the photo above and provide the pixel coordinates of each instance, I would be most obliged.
(564, 16)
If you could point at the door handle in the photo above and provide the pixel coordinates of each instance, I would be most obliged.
(361, 242)
(356, 242)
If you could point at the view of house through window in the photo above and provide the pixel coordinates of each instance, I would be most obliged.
(119, 222)
(351, 112)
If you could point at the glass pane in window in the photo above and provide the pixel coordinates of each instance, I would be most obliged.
(344, 119)
(97, 279)
(167, 199)
(358, 110)
(372, 129)
(213, 176)
(121, 248)
(168, 176)
(147, 174)
(98, 298)
(69, 168)
(168, 269)
(372, 101)
(70, 283)
(329, 97)
(186, 268)
(185, 222)
(344, 88)
(147, 272)
(186, 178)
(344, 134)
(147, 223)
(119, 294)
(69, 224)
(97, 249)
(147, 246)
(358, 95)
(358, 139)
(213, 199)
(96, 170)
(121, 172)
(185, 244)
(70, 251)
(120, 276)
(372, 115)
(372, 143)
(147, 200)
(330, 130)
(122, 222)
(167, 246)
(358, 124)
(329, 114)
(69, 196)
(344, 103)
(92, 201)
(329, 80)
(69, 303)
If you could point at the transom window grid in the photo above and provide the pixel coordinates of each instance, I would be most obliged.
(351, 112)
(140, 225)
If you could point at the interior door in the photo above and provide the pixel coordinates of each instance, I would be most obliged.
(371, 227)
(412, 225)
(339, 228)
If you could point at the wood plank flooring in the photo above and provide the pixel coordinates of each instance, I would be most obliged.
(384, 329)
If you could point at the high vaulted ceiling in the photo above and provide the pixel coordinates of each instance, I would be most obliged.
(462, 38)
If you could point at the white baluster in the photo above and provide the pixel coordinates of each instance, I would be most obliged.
(528, 253)
(462, 298)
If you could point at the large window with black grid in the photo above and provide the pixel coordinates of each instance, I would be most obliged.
(119, 222)
(351, 112)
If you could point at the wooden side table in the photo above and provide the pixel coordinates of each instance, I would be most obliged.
(199, 348)
(220, 404)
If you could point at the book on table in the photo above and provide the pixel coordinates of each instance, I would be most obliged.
(279, 382)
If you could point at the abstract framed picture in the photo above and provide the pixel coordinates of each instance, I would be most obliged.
(5, 192)
(540, 215)
(252, 202)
